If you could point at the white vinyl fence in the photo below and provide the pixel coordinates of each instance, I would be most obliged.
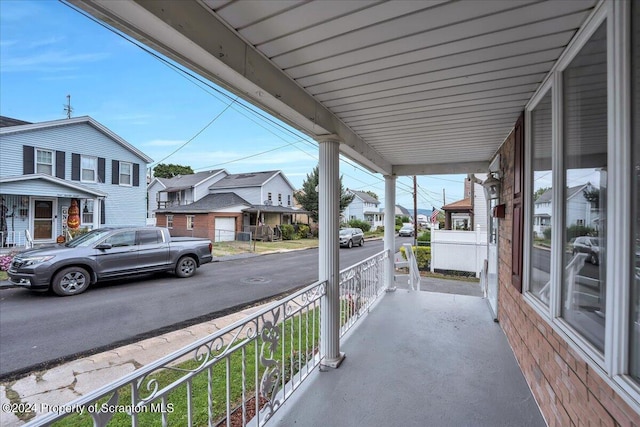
(453, 250)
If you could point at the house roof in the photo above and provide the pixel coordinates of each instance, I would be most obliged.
(401, 210)
(251, 179)
(571, 192)
(181, 182)
(75, 121)
(365, 197)
(274, 209)
(8, 121)
(209, 203)
(458, 205)
(54, 180)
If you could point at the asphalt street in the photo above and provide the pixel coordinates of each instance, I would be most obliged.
(40, 330)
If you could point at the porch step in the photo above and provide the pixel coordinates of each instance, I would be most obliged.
(402, 264)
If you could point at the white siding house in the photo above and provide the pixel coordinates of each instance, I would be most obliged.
(181, 189)
(45, 167)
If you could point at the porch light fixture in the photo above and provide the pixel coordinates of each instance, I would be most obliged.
(492, 186)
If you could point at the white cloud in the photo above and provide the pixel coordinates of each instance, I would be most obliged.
(49, 62)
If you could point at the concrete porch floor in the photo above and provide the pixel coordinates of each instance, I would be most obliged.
(419, 359)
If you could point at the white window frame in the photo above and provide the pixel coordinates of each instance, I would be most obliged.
(94, 169)
(91, 212)
(613, 364)
(130, 174)
(53, 161)
(169, 221)
(191, 219)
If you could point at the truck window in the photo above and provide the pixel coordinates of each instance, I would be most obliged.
(149, 237)
(124, 238)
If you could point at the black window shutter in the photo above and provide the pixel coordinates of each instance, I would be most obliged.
(102, 214)
(60, 164)
(136, 175)
(28, 159)
(101, 167)
(517, 229)
(75, 167)
(115, 172)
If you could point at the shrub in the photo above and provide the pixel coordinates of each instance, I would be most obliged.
(303, 231)
(287, 232)
(547, 233)
(363, 225)
(424, 237)
(423, 256)
(579, 230)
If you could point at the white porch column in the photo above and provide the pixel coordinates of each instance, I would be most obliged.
(390, 228)
(329, 246)
(96, 213)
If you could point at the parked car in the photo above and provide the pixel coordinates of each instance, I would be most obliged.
(406, 230)
(351, 236)
(587, 245)
(104, 253)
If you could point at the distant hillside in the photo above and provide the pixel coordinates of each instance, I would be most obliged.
(426, 212)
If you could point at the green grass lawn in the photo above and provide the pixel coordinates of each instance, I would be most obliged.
(300, 340)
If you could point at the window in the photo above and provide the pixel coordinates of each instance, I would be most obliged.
(585, 174)
(279, 198)
(190, 221)
(126, 238)
(44, 161)
(540, 248)
(125, 173)
(149, 237)
(634, 329)
(269, 196)
(169, 221)
(288, 199)
(87, 212)
(88, 169)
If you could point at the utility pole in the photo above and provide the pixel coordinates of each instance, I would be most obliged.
(444, 199)
(415, 211)
(67, 108)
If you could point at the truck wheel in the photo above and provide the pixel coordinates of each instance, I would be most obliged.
(186, 267)
(70, 281)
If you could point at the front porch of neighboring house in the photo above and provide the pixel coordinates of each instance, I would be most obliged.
(264, 221)
(28, 220)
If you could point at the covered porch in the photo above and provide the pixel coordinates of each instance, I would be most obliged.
(419, 359)
(407, 88)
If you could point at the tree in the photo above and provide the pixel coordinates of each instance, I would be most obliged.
(308, 196)
(170, 170)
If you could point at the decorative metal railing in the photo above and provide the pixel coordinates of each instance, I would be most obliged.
(360, 285)
(241, 374)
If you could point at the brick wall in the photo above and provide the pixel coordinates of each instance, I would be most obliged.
(203, 224)
(568, 391)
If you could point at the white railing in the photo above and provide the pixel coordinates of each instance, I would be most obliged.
(411, 263)
(240, 374)
(15, 239)
(360, 286)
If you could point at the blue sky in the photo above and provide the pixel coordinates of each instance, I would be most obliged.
(48, 50)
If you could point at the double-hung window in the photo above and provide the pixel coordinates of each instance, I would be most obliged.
(44, 161)
(190, 222)
(125, 173)
(169, 221)
(88, 168)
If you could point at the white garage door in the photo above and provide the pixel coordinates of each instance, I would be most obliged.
(225, 229)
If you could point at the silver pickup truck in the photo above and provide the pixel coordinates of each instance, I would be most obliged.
(107, 253)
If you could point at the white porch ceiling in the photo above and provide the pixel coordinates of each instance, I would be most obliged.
(410, 87)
